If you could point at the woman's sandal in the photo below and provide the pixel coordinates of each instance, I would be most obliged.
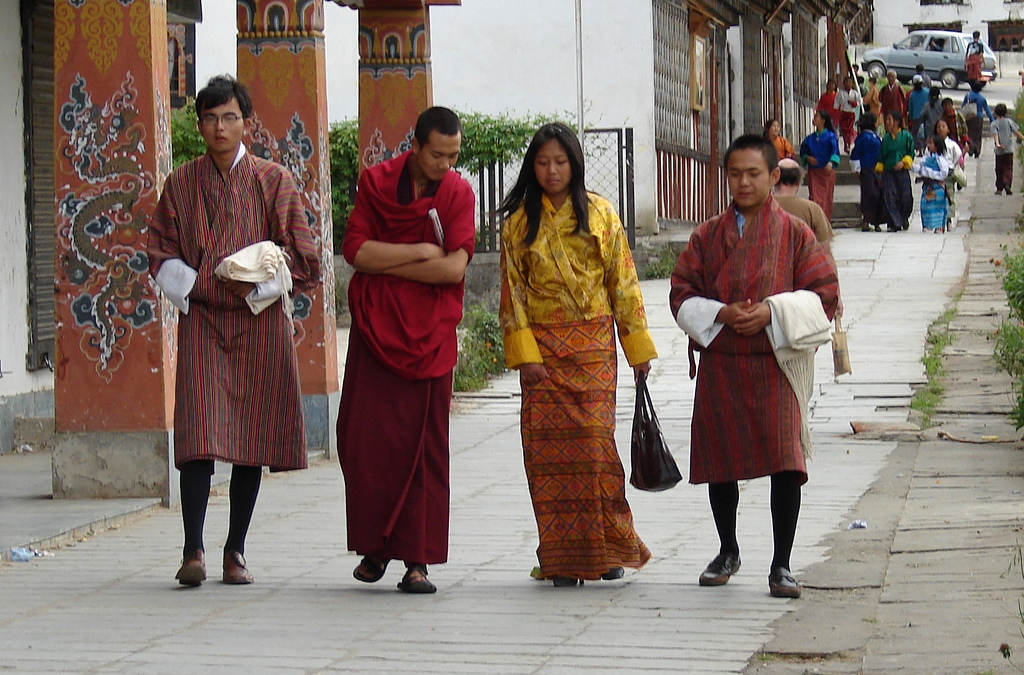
(370, 570)
(415, 580)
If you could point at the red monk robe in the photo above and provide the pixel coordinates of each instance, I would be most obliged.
(746, 418)
(395, 399)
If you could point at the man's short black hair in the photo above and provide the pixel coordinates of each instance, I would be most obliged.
(441, 120)
(754, 142)
(221, 89)
(792, 175)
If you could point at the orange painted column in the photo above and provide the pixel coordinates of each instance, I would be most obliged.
(114, 372)
(395, 84)
(281, 59)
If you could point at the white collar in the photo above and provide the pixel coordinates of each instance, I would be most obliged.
(238, 155)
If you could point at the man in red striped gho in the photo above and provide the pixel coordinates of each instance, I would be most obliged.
(237, 396)
(746, 415)
(410, 237)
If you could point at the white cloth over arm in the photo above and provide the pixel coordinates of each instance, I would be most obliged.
(799, 325)
(697, 316)
(263, 264)
(176, 280)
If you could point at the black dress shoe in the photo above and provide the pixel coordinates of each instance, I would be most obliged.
(566, 582)
(719, 570)
(781, 584)
(613, 574)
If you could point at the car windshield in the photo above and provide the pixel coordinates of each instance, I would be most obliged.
(911, 42)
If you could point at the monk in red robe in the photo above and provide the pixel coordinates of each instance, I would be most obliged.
(410, 237)
(236, 394)
(746, 417)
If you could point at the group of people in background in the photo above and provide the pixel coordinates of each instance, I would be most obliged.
(891, 134)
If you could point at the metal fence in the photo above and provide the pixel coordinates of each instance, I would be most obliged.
(609, 161)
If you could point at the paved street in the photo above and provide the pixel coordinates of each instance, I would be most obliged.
(110, 603)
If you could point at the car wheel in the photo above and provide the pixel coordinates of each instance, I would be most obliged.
(876, 69)
(949, 79)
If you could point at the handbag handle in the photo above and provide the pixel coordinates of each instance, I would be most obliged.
(839, 323)
(644, 403)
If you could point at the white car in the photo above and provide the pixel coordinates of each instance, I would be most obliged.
(940, 51)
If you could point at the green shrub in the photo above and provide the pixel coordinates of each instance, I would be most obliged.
(481, 350)
(660, 266)
(186, 141)
(343, 148)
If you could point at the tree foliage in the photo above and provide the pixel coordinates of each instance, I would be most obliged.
(186, 141)
(343, 146)
(496, 139)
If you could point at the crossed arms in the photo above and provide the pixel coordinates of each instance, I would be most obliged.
(423, 262)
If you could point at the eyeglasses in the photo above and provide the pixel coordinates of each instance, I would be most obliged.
(226, 119)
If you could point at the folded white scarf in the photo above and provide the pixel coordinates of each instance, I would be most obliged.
(266, 265)
(799, 325)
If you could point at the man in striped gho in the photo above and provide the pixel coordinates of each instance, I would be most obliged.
(746, 414)
(237, 397)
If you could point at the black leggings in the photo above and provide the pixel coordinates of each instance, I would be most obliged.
(785, 508)
(195, 494)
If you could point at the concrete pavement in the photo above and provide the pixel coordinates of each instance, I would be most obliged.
(109, 603)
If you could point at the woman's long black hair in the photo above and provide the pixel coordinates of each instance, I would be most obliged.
(527, 191)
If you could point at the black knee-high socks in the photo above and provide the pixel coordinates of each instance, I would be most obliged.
(245, 487)
(785, 509)
(785, 505)
(725, 499)
(195, 494)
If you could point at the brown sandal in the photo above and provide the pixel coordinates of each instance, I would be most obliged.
(415, 580)
(370, 570)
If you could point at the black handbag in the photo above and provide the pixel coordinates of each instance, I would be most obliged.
(653, 468)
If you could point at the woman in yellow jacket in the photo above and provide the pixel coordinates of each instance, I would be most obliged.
(568, 284)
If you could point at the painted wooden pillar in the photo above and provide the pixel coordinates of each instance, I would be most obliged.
(114, 371)
(394, 78)
(281, 59)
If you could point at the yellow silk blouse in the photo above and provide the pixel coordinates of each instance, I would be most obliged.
(563, 277)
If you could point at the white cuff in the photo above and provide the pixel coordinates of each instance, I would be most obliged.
(176, 280)
(265, 290)
(697, 318)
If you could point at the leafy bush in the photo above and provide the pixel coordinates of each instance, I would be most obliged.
(186, 141)
(660, 266)
(496, 139)
(343, 148)
(481, 350)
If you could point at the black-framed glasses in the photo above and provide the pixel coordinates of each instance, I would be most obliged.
(226, 119)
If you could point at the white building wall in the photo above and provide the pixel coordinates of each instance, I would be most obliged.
(520, 58)
(21, 391)
(891, 24)
(215, 42)
(517, 58)
(14, 268)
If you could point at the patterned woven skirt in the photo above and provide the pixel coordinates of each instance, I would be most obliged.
(576, 478)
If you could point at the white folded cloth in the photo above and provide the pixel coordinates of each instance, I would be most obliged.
(176, 280)
(266, 265)
(799, 325)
